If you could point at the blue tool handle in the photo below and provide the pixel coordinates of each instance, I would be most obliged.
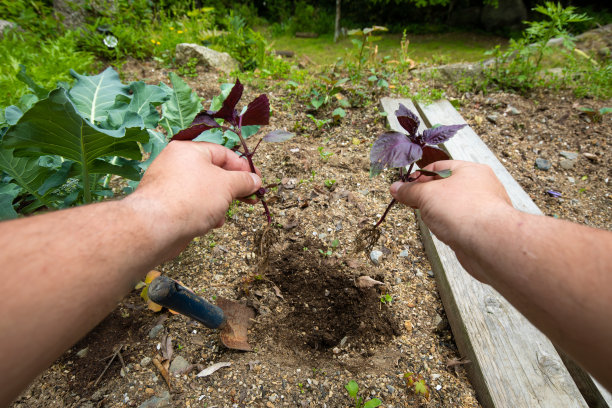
(169, 293)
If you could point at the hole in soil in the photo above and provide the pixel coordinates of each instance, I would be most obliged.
(322, 304)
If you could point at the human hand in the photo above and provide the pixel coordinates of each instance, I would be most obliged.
(449, 206)
(189, 187)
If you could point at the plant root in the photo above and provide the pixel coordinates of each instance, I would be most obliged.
(264, 240)
(366, 239)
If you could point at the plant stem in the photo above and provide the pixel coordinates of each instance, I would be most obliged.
(392, 203)
(249, 156)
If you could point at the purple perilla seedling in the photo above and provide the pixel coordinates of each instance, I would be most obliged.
(256, 113)
(399, 150)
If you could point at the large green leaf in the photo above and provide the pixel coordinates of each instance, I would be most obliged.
(24, 171)
(53, 126)
(94, 95)
(182, 107)
(157, 142)
(8, 192)
(139, 110)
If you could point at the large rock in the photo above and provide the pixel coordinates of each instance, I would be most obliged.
(597, 42)
(455, 72)
(508, 14)
(6, 25)
(72, 12)
(208, 58)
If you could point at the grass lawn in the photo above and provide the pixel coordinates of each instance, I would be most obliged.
(436, 48)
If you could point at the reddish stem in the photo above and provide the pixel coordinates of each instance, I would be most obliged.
(405, 178)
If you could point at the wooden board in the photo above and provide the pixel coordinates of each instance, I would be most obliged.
(513, 363)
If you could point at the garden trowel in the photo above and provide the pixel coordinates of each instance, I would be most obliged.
(232, 318)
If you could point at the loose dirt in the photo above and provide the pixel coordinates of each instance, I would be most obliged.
(315, 330)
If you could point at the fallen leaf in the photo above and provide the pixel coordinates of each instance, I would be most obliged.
(163, 371)
(209, 370)
(408, 326)
(455, 362)
(166, 347)
(278, 292)
(367, 282)
(144, 294)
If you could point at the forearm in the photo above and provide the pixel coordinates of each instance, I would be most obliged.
(555, 272)
(62, 273)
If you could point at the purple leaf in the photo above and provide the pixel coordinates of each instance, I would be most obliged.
(553, 193)
(432, 154)
(205, 118)
(407, 119)
(440, 134)
(258, 112)
(278, 136)
(228, 110)
(191, 132)
(442, 173)
(393, 149)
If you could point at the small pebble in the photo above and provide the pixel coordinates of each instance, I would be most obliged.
(145, 361)
(404, 254)
(542, 164)
(155, 331)
(375, 256)
(493, 117)
(83, 352)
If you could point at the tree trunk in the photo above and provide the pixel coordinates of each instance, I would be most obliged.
(337, 26)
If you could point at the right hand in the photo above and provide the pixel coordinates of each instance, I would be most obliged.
(449, 206)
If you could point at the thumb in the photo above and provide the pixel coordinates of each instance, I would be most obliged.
(243, 183)
(406, 193)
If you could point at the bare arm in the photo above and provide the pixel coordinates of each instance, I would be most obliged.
(63, 272)
(557, 273)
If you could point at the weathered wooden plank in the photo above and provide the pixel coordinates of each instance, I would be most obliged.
(513, 364)
(469, 146)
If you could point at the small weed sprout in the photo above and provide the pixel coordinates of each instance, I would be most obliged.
(323, 155)
(386, 299)
(319, 123)
(417, 383)
(329, 183)
(353, 388)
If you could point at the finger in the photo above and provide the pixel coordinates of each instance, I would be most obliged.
(222, 156)
(242, 183)
(407, 193)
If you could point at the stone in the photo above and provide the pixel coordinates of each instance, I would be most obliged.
(511, 110)
(506, 14)
(155, 331)
(430, 273)
(571, 179)
(440, 323)
(590, 156)
(454, 72)
(145, 361)
(83, 352)
(158, 402)
(339, 226)
(178, 365)
(272, 398)
(408, 326)
(567, 164)
(569, 155)
(322, 236)
(493, 118)
(6, 25)
(375, 256)
(404, 254)
(206, 57)
(542, 164)
(390, 388)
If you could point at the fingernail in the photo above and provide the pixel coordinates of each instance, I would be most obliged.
(395, 186)
(256, 179)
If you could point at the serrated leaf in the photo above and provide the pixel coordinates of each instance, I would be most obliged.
(392, 150)
(182, 106)
(431, 154)
(440, 134)
(352, 388)
(258, 112)
(278, 136)
(407, 119)
(94, 95)
(144, 100)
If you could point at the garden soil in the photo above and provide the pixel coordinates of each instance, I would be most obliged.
(315, 330)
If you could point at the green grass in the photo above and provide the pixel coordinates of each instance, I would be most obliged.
(47, 62)
(427, 48)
